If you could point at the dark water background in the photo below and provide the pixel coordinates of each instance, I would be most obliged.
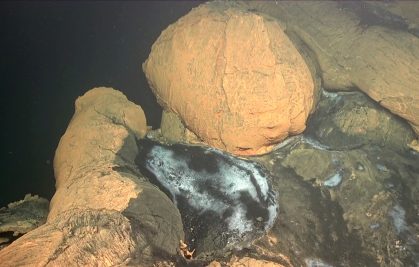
(53, 52)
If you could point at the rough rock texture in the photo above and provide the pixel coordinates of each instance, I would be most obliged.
(365, 220)
(103, 123)
(172, 127)
(356, 50)
(352, 203)
(173, 130)
(86, 237)
(350, 120)
(233, 77)
(247, 261)
(103, 212)
(403, 14)
(21, 217)
(414, 145)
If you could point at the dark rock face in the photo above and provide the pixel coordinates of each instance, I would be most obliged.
(348, 188)
(225, 201)
(350, 120)
(311, 225)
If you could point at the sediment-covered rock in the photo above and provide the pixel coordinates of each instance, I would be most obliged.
(104, 212)
(233, 77)
(247, 261)
(351, 120)
(357, 50)
(348, 194)
(21, 217)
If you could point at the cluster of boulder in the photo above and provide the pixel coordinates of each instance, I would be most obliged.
(243, 77)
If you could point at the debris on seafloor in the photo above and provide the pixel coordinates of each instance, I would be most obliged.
(186, 253)
(21, 217)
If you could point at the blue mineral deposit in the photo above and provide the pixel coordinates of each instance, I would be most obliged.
(333, 180)
(316, 263)
(374, 226)
(382, 168)
(398, 214)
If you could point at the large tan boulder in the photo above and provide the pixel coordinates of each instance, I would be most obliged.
(103, 123)
(104, 212)
(233, 77)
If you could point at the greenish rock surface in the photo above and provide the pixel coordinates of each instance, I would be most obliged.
(351, 120)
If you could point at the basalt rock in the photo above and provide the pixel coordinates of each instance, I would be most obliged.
(347, 120)
(225, 202)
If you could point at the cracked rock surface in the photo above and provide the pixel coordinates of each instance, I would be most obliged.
(21, 217)
(103, 210)
(233, 77)
(356, 47)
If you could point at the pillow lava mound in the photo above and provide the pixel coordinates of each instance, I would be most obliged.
(104, 212)
(233, 77)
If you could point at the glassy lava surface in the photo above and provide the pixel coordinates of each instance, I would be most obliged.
(224, 201)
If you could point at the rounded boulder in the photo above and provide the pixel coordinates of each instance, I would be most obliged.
(233, 77)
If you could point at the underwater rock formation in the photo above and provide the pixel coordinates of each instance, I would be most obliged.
(81, 237)
(368, 218)
(348, 193)
(247, 261)
(21, 217)
(233, 77)
(348, 120)
(400, 15)
(356, 50)
(104, 212)
(225, 202)
(103, 122)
